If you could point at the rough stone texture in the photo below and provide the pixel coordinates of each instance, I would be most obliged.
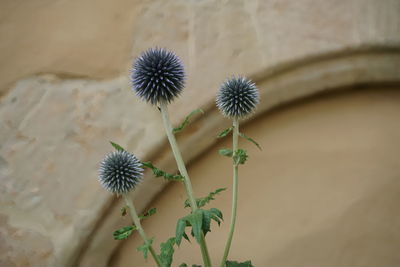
(64, 94)
(54, 135)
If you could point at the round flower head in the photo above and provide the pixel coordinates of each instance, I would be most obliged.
(120, 172)
(237, 97)
(158, 76)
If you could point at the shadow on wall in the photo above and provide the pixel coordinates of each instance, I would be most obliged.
(364, 235)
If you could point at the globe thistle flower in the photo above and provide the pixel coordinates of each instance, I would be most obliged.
(120, 172)
(158, 76)
(237, 97)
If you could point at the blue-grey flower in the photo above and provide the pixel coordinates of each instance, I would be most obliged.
(158, 76)
(120, 172)
(237, 97)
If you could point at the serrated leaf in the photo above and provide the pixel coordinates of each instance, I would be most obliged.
(206, 227)
(180, 230)
(149, 213)
(145, 248)
(124, 232)
(208, 215)
(167, 252)
(225, 152)
(240, 156)
(250, 139)
(187, 120)
(225, 132)
(201, 202)
(196, 221)
(160, 173)
(116, 146)
(239, 264)
(217, 213)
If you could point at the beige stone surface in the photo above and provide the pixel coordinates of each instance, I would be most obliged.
(50, 151)
(80, 38)
(323, 192)
(65, 92)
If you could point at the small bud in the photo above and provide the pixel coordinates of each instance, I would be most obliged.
(237, 97)
(158, 76)
(120, 172)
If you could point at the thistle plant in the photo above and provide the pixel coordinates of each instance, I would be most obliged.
(158, 77)
(120, 172)
(236, 99)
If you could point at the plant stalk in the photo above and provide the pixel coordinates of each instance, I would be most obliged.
(235, 137)
(136, 221)
(186, 180)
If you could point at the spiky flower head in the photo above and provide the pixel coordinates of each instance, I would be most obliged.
(120, 172)
(158, 76)
(237, 97)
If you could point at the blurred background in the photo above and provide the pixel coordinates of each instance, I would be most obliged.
(325, 189)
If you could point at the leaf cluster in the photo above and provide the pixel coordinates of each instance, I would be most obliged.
(229, 130)
(239, 264)
(200, 223)
(186, 121)
(167, 252)
(201, 202)
(126, 231)
(146, 247)
(160, 173)
(239, 157)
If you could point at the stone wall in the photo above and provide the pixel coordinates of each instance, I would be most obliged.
(65, 92)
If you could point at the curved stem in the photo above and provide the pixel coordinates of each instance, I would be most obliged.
(186, 180)
(235, 138)
(136, 221)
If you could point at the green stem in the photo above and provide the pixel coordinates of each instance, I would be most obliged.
(235, 138)
(186, 180)
(139, 227)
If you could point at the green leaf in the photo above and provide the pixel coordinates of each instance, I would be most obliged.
(145, 248)
(195, 220)
(180, 230)
(240, 156)
(225, 132)
(186, 121)
(208, 215)
(217, 213)
(116, 146)
(250, 139)
(239, 264)
(147, 214)
(167, 252)
(225, 152)
(124, 232)
(201, 202)
(206, 226)
(183, 265)
(160, 173)
(195, 265)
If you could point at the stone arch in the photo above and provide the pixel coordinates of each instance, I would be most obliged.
(280, 85)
